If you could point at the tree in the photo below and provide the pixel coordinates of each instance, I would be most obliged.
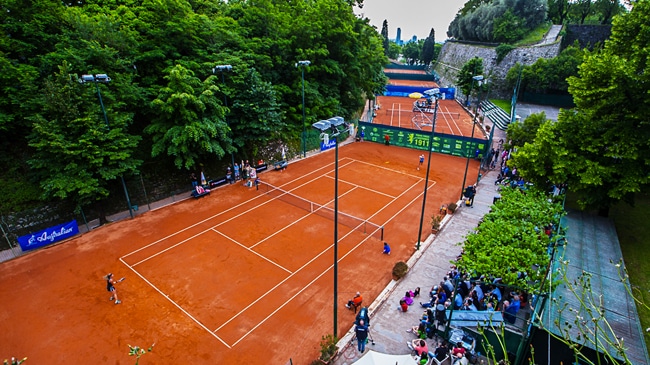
(257, 114)
(77, 154)
(465, 80)
(508, 28)
(189, 121)
(394, 50)
(428, 49)
(519, 134)
(581, 9)
(558, 10)
(384, 36)
(602, 146)
(607, 9)
(411, 52)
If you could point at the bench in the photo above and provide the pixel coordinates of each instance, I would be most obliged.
(196, 194)
(280, 165)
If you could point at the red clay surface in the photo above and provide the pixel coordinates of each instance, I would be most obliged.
(452, 119)
(402, 71)
(231, 278)
(429, 84)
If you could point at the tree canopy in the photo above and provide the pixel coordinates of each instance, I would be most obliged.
(164, 103)
(602, 147)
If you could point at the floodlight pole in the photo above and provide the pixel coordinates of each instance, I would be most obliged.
(323, 126)
(426, 180)
(222, 69)
(105, 79)
(302, 65)
(478, 78)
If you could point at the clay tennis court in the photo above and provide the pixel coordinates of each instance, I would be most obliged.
(240, 276)
(398, 111)
(419, 83)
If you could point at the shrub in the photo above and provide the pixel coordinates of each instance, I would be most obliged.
(400, 269)
(328, 347)
(436, 219)
(451, 207)
(503, 50)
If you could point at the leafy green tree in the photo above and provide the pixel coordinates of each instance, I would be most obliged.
(465, 78)
(384, 36)
(257, 114)
(580, 10)
(508, 28)
(519, 134)
(411, 52)
(77, 154)
(189, 122)
(394, 50)
(603, 145)
(607, 9)
(428, 49)
(558, 10)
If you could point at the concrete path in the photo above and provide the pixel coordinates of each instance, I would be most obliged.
(388, 325)
(552, 34)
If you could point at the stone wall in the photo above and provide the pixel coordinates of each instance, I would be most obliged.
(587, 35)
(455, 54)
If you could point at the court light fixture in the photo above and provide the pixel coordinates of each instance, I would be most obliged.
(302, 65)
(104, 79)
(222, 69)
(435, 94)
(328, 128)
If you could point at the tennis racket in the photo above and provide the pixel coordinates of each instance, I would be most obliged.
(122, 279)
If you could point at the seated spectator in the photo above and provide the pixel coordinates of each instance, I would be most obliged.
(403, 306)
(420, 330)
(415, 293)
(407, 298)
(441, 352)
(458, 350)
(356, 301)
(419, 346)
(459, 360)
(494, 291)
(510, 309)
(424, 358)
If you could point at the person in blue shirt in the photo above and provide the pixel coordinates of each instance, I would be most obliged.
(361, 331)
(511, 309)
(386, 248)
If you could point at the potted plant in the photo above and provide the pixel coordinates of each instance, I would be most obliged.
(436, 219)
(451, 208)
(400, 269)
(328, 348)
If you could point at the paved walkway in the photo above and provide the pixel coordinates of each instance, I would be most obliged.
(388, 325)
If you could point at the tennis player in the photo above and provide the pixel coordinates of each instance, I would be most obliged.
(421, 161)
(110, 286)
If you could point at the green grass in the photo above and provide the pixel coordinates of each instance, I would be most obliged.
(634, 235)
(535, 36)
(503, 104)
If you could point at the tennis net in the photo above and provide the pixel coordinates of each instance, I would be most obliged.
(358, 224)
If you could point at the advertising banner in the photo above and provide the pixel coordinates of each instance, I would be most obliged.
(48, 236)
(443, 143)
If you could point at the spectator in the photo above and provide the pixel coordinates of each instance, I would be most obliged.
(356, 301)
(361, 332)
(419, 346)
(403, 306)
(407, 298)
(510, 309)
(441, 352)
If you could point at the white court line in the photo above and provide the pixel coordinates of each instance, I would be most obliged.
(176, 304)
(446, 121)
(277, 285)
(248, 249)
(167, 249)
(327, 270)
(387, 169)
(363, 187)
(460, 131)
(223, 212)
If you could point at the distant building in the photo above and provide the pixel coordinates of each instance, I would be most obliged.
(398, 39)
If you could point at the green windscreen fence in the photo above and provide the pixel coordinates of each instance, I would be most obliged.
(442, 143)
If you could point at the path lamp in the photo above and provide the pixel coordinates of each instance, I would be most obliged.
(479, 79)
(434, 93)
(222, 69)
(302, 65)
(329, 129)
(104, 79)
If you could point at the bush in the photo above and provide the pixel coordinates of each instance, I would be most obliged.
(451, 207)
(436, 219)
(400, 269)
(502, 51)
(328, 347)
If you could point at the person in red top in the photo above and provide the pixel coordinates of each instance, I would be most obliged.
(356, 301)
(459, 349)
(403, 306)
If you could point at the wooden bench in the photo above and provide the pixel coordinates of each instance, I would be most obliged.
(280, 165)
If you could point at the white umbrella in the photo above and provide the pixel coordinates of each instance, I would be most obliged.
(203, 182)
(284, 156)
(377, 358)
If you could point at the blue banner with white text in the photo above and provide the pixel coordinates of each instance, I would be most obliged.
(48, 236)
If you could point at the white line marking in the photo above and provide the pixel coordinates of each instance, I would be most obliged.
(256, 253)
(175, 304)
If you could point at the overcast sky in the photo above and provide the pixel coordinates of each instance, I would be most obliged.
(415, 17)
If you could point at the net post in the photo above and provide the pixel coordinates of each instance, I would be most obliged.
(382, 233)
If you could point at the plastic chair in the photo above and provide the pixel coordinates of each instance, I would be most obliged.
(440, 362)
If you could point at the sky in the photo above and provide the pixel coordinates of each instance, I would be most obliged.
(415, 17)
